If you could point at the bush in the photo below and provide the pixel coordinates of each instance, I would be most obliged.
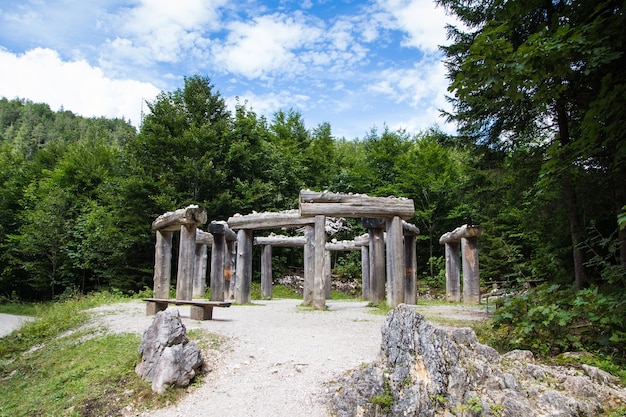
(549, 320)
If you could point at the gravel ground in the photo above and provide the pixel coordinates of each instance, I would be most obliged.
(278, 356)
(10, 322)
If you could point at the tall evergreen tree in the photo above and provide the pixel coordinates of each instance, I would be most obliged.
(541, 71)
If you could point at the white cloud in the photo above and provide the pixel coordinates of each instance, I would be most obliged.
(268, 104)
(41, 76)
(425, 82)
(423, 23)
(161, 31)
(266, 45)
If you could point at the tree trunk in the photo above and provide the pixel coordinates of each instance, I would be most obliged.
(571, 201)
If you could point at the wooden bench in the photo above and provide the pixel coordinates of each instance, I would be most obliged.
(200, 309)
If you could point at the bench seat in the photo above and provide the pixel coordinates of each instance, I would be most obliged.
(200, 309)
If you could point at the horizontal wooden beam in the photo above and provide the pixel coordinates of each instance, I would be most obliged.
(221, 228)
(171, 221)
(408, 229)
(344, 245)
(282, 241)
(264, 221)
(203, 238)
(464, 231)
(353, 205)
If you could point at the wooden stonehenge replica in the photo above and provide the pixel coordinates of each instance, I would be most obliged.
(388, 252)
(462, 239)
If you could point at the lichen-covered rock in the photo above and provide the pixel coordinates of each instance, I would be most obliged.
(167, 355)
(426, 371)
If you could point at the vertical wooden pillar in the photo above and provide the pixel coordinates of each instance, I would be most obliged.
(218, 254)
(162, 264)
(365, 273)
(395, 262)
(377, 264)
(453, 272)
(327, 274)
(266, 272)
(471, 282)
(244, 266)
(199, 279)
(186, 262)
(319, 291)
(309, 264)
(230, 268)
(410, 262)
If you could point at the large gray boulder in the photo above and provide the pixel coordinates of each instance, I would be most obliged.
(167, 355)
(426, 371)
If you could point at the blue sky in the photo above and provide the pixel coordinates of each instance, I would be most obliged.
(353, 64)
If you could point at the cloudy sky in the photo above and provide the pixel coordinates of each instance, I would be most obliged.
(356, 64)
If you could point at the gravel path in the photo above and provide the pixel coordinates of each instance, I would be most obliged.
(10, 322)
(278, 359)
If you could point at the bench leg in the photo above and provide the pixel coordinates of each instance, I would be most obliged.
(201, 312)
(152, 308)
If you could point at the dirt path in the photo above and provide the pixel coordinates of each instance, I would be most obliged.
(10, 322)
(279, 355)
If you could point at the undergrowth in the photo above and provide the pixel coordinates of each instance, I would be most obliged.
(549, 320)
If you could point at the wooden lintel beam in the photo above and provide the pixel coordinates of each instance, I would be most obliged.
(464, 231)
(346, 245)
(221, 228)
(353, 205)
(282, 241)
(261, 221)
(408, 229)
(203, 238)
(171, 221)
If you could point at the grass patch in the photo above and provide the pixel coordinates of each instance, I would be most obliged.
(380, 307)
(19, 308)
(278, 291)
(53, 319)
(49, 368)
(78, 375)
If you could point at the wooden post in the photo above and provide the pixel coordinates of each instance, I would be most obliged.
(230, 269)
(186, 262)
(218, 254)
(309, 264)
(266, 272)
(471, 283)
(244, 266)
(468, 236)
(377, 264)
(395, 262)
(365, 273)
(453, 272)
(319, 292)
(162, 264)
(410, 262)
(327, 274)
(199, 280)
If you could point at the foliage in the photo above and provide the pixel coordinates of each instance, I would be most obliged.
(348, 266)
(548, 320)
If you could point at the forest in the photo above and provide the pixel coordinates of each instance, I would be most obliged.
(539, 162)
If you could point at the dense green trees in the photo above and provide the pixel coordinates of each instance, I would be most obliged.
(542, 76)
(78, 195)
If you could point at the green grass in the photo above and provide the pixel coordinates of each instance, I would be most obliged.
(52, 368)
(19, 308)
